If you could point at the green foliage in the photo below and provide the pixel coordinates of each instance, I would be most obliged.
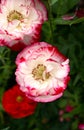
(7, 65)
(63, 6)
(68, 36)
(52, 2)
(60, 21)
(6, 128)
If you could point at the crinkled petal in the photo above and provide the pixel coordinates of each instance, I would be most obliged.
(42, 72)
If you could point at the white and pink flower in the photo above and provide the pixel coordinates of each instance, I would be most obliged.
(42, 72)
(21, 22)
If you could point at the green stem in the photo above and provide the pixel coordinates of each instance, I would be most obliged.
(50, 21)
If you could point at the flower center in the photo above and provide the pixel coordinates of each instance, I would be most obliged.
(39, 73)
(14, 15)
(19, 99)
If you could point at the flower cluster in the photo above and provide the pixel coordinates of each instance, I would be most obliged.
(42, 72)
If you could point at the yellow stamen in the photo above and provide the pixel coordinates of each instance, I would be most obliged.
(39, 73)
(14, 15)
(19, 99)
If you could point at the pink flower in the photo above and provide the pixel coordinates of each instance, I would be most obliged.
(69, 108)
(42, 72)
(81, 126)
(68, 17)
(21, 22)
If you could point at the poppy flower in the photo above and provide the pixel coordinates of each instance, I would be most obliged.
(42, 72)
(16, 104)
(21, 22)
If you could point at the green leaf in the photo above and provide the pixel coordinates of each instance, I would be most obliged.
(62, 103)
(77, 21)
(52, 2)
(7, 128)
(60, 21)
(75, 125)
(62, 7)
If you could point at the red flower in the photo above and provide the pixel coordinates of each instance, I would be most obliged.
(17, 104)
(80, 12)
